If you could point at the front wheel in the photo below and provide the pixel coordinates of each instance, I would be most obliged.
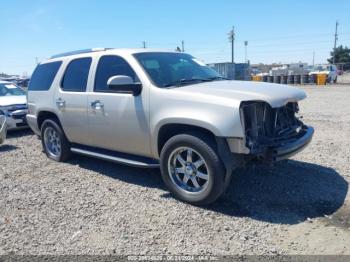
(192, 169)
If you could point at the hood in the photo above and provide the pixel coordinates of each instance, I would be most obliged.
(12, 100)
(275, 94)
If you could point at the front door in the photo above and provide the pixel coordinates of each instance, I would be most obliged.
(117, 121)
(71, 100)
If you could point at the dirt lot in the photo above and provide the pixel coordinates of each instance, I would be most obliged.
(88, 206)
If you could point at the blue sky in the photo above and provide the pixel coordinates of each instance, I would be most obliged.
(276, 31)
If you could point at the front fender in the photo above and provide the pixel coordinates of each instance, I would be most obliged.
(219, 125)
(219, 116)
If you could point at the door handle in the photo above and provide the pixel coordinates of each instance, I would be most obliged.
(97, 105)
(60, 103)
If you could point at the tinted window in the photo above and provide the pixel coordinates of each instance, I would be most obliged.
(111, 66)
(43, 76)
(76, 75)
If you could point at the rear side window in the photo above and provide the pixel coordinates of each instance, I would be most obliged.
(43, 76)
(109, 66)
(76, 75)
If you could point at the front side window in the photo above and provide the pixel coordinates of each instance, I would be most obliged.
(76, 76)
(175, 69)
(9, 89)
(43, 76)
(109, 66)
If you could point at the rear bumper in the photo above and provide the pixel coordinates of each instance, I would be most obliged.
(33, 123)
(289, 149)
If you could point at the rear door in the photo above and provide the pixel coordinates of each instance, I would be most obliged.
(71, 100)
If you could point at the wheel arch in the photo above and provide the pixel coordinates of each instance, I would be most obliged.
(43, 115)
(168, 130)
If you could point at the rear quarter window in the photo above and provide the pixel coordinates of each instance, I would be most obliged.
(43, 76)
(76, 75)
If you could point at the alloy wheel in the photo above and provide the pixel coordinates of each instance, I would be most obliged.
(188, 170)
(52, 142)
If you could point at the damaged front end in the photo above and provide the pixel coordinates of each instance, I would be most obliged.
(273, 134)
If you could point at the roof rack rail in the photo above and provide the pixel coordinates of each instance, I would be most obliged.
(77, 52)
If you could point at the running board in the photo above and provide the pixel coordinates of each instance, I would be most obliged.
(121, 158)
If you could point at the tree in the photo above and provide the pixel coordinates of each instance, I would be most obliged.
(342, 55)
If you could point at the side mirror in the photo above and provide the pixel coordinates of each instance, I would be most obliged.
(124, 84)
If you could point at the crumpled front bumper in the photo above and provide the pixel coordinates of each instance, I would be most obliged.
(289, 149)
(3, 129)
(271, 153)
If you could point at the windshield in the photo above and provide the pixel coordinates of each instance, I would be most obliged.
(175, 69)
(10, 90)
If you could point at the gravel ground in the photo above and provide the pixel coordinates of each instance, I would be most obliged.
(88, 206)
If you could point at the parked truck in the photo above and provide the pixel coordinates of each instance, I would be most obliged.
(167, 110)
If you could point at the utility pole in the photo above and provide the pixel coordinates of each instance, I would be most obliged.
(313, 59)
(245, 50)
(232, 40)
(231, 37)
(335, 40)
(183, 46)
(144, 44)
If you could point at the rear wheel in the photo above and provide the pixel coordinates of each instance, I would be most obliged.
(192, 170)
(55, 144)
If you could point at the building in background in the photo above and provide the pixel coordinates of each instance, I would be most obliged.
(237, 71)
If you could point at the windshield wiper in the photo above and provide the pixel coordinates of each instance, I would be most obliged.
(186, 81)
(198, 80)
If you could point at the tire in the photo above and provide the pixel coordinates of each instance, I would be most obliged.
(209, 175)
(335, 80)
(59, 141)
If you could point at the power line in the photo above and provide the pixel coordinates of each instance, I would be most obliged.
(290, 36)
(285, 51)
(291, 43)
(267, 41)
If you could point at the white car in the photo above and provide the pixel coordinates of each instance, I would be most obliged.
(330, 70)
(13, 105)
